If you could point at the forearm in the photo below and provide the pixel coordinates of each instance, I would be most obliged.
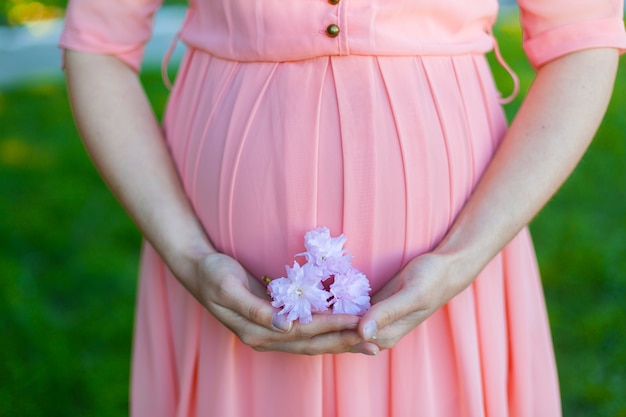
(127, 146)
(547, 138)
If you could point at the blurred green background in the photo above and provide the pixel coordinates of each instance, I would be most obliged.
(68, 255)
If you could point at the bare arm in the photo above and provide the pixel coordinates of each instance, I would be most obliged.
(127, 146)
(549, 135)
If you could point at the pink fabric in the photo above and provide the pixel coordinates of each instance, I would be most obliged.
(380, 134)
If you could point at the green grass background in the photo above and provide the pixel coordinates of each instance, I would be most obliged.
(68, 261)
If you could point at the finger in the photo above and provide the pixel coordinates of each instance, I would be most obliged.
(258, 288)
(325, 323)
(367, 348)
(299, 339)
(336, 342)
(279, 321)
(234, 296)
(386, 312)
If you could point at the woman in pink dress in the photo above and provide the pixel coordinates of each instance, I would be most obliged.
(380, 120)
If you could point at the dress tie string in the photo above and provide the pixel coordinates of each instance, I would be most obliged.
(170, 51)
(503, 63)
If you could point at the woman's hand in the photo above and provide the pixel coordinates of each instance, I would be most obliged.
(409, 298)
(240, 302)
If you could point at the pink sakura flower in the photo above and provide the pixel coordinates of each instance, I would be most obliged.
(326, 253)
(350, 293)
(300, 293)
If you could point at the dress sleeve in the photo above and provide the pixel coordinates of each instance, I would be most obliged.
(553, 28)
(111, 27)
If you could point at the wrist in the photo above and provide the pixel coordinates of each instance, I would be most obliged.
(463, 262)
(184, 253)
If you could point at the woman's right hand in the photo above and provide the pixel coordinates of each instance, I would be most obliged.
(240, 302)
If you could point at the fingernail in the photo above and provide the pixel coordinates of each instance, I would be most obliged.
(369, 330)
(368, 352)
(352, 326)
(280, 322)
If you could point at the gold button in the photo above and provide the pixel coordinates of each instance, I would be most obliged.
(333, 1)
(332, 30)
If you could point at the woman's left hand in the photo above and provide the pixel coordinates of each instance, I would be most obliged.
(422, 287)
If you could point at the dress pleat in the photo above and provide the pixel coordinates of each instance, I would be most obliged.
(492, 331)
(154, 357)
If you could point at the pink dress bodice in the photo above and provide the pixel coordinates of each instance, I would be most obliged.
(276, 30)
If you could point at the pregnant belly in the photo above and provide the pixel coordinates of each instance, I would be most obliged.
(383, 150)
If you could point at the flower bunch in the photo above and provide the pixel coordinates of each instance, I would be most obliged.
(326, 281)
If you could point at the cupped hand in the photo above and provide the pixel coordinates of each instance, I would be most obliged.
(415, 293)
(240, 302)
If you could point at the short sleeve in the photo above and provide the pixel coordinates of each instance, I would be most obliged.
(112, 27)
(553, 28)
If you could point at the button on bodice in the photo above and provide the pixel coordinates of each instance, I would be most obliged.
(332, 30)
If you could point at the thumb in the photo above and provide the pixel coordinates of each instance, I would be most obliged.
(384, 313)
(244, 301)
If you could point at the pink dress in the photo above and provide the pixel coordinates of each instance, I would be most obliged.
(380, 133)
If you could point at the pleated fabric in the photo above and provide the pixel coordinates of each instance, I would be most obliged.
(385, 150)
